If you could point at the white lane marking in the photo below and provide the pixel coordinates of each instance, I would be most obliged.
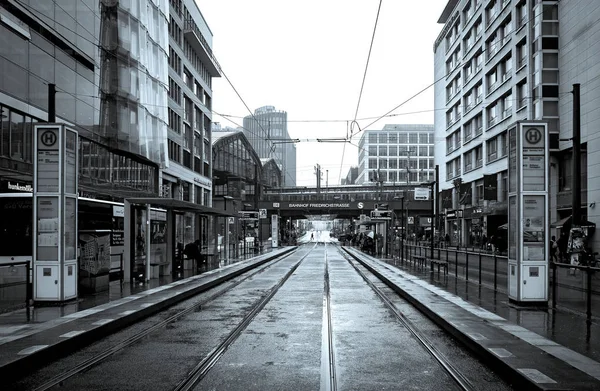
(102, 322)
(536, 375)
(81, 314)
(127, 312)
(476, 336)
(32, 349)
(501, 352)
(11, 329)
(71, 334)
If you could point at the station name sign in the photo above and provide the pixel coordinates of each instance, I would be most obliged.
(324, 205)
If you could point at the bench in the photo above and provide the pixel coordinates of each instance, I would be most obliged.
(419, 260)
(439, 263)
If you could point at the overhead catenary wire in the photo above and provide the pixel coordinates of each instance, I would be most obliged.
(376, 119)
(494, 42)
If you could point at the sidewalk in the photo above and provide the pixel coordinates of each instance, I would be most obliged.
(566, 328)
(117, 290)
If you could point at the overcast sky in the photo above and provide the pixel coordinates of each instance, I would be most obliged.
(308, 58)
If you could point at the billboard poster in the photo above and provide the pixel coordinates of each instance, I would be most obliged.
(512, 160)
(512, 227)
(274, 230)
(534, 229)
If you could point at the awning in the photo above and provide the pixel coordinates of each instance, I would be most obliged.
(179, 205)
(567, 221)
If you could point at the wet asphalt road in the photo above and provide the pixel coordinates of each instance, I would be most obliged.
(283, 348)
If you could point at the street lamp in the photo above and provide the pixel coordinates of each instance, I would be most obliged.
(432, 185)
(401, 224)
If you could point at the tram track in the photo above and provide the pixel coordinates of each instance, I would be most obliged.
(98, 358)
(202, 368)
(457, 376)
(329, 380)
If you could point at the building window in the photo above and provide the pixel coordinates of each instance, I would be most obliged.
(478, 156)
(468, 161)
(492, 149)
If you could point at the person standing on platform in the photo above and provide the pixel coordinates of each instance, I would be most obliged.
(553, 249)
(562, 244)
(192, 251)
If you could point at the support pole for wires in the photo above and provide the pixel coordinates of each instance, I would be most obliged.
(51, 102)
(576, 195)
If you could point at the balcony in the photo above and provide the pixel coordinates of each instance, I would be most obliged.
(196, 40)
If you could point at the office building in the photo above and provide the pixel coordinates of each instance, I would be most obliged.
(267, 131)
(400, 154)
(350, 178)
(144, 127)
(188, 176)
(499, 62)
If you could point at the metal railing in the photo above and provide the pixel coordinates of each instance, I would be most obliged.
(572, 287)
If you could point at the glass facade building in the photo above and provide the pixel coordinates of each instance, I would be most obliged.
(134, 77)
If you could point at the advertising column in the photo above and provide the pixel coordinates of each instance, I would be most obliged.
(55, 213)
(528, 213)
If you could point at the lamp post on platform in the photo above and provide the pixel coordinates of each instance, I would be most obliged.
(433, 210)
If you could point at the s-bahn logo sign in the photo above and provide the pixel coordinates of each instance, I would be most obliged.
(48, 138)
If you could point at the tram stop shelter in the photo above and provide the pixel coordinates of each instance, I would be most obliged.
(151, 247)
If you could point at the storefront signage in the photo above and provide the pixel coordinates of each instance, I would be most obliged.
(381, 214)
(118, 211)
(158, 215)
(205, 182)
(246, 215)
(16, 186)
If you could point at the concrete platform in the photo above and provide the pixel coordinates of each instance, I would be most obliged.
(532, 360)
(516, 343)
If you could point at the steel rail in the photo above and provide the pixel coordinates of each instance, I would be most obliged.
(204, 366)
(460, 379)
(83, 366)
(330, 377)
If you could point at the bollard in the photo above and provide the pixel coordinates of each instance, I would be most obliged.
(480, 268)
(28, 285)
(495, 272)
(456, 263)
(589, 294)
(554, 283)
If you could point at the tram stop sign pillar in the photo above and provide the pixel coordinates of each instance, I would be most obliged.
(528, 219)
(55, 213)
